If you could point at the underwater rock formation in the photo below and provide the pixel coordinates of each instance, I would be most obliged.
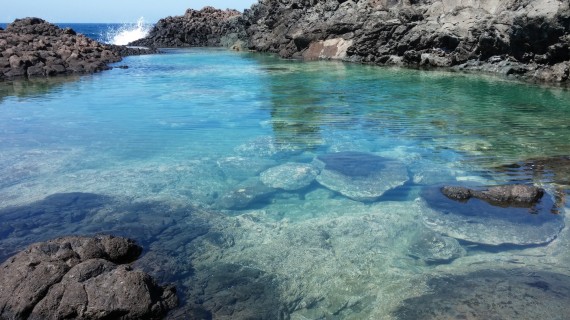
(81, 278)
(32, 47)
(289, 176)
(360, 176)
(246, 193)
(492, 294)
(432, 247)
(481, 222)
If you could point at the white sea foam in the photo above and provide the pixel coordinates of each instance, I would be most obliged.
(127, 33)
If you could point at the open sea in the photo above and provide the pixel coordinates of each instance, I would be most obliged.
(276, 189)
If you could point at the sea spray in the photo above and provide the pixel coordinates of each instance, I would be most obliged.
(127, 33)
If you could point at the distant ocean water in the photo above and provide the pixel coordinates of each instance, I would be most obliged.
(113, 33)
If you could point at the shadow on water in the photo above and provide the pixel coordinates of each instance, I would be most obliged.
(172, 237)
(492, 294)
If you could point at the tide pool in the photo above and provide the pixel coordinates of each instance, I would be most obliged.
(266, 188)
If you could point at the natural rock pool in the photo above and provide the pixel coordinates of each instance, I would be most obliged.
(274, 189)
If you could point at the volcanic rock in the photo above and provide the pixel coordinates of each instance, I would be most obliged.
(208, 27)
(32, 47)
(527, 39)
(504, 196)
(80, 278)
(523, 38)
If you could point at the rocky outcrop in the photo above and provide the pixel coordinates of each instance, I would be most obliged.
(80, 278)
(522, 38)
(208, 27)
(32, 47)
(527, 38)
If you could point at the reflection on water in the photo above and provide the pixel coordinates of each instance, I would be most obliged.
(35, 87)
(276, 189)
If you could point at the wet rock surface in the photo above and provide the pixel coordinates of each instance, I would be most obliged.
(503, 196)
(81, 278)
(196, 28)
(478, 221)
(493, 294)
(32, 47)
(360, 176)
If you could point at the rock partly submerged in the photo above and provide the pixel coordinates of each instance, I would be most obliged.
(522, 218)
(81, 278)
(32, 47)
(517, 195)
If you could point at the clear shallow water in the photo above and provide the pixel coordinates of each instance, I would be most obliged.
(171, 152)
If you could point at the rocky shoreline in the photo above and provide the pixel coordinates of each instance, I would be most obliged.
(32, 47)
(527, 39)
(81, 278)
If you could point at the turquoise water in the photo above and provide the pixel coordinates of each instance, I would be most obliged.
(177, 151)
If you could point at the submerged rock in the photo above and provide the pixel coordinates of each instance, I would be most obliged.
(478, 221)
(80, 278)
(432, 247)
(244, 195)
(492, 294)
(360, 176)
(289, 176)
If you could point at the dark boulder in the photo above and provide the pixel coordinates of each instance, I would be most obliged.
(81, 278)
(457, 193)
(515, 195)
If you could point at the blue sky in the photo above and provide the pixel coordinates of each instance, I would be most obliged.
(108, 10)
